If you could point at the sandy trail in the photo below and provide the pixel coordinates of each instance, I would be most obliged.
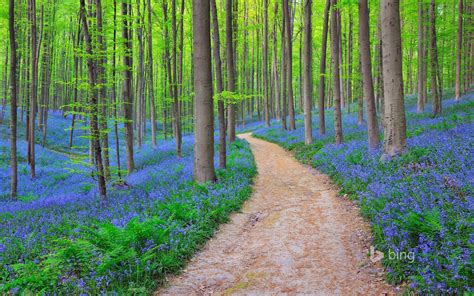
(294, 236)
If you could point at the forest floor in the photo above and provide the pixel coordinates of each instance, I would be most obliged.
(293, 236)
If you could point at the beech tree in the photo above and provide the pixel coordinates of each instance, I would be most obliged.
(203, 103)
(336, 72)
(307, 75)
(13, 100)
(394, 122)
(364, 42)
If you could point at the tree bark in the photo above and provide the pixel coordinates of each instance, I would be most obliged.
(203, 103)
(13, 102)
(95, 132)
(219, 86)
(420, 106)
(435, 93)
(34, 85)
(322, 70)
(307, 73)
(336, 73)
(289, 65)
(230, 70)
(368, 85)
(127, 84)
(395, 122)
(265, 64)
(151, 85)
(459, 53)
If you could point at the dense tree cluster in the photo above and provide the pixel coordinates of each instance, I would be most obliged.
(158, 63)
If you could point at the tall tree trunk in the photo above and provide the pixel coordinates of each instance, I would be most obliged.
(265, 64)
(395, 122)
(349, 64)
(151, 85)
(114, 93)
(459, 53)
(102, 79)
(95, 132)
(76, 85)
(13, 101)
(127, 84)
(420, 106)
(284, 73)
(368, 85)
(203, 103)
(336, 72)
(219, 86)
(307, 75)
(289, 65)
(435, 93)
(230, 70)
(174, 82)
(322, 70)
(34, 85)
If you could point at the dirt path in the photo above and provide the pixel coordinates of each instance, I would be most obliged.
(294, 236)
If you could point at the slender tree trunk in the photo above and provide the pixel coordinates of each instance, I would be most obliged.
(336, 73)
(420, 106)
(395, 123)
(307, 75)
(219, 86)
(436, 96)
(174, 82)
(13, 101)
(34, 85)
(76, 85)
(368, 85)
(284, 73)
(459, 53)
(102, 79)
(349, 64)
(230, 69)
(114, 93)
(322, 70)
(203, 104)
(127, 84)
(265, 64)
(151, 92)
(289, 65)
(95, 132)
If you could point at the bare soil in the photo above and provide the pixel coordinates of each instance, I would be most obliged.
(295, 235)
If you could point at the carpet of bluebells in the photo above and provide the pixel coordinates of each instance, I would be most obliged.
(420, 203)
(59, 238)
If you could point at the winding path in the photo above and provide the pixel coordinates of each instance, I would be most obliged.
(294, 236)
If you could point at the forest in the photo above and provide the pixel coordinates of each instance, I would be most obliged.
(247, 147)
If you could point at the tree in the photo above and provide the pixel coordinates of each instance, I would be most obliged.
(307, 73)
(203, 103)
(395, 122)
(127, 83)
(368, 85)
(336, 72)
(265, 64)
(435, 91)
(230, 70)
(219, 86)
(421, 60)
(459, 52)
(174, 82)
(94, 113)
(151, 91)
(13, 101)
(34, 85)
(289, 64)
(322, 70)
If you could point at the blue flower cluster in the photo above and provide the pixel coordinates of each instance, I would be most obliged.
(420, 203)
(60, 238)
